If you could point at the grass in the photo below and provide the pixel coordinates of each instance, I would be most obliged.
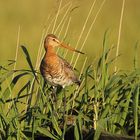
(119, 34)
(105, 104)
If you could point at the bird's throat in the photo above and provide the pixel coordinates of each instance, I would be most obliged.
(50, 51)
(50, 54)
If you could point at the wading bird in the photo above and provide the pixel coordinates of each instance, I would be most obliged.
(54, 69)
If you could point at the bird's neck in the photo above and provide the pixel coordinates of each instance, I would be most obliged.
(50, 53)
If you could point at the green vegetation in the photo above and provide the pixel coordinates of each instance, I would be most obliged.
(107, 103)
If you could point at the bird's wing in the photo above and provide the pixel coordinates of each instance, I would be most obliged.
(66, 64)
(69, 70)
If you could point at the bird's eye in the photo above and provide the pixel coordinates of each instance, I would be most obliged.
(53, 39)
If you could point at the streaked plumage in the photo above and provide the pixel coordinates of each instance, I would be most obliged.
(55, 69)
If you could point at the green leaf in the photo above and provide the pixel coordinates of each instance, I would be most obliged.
(23, 136)
(100, 128)
(136, 105)
(56, 126)
(5, 76)
(8, 90)
(29, 61)
(76, 132)
(46, 132)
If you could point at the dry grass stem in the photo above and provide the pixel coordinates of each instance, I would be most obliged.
(119, 33)
(91, 26)
(57, 14)
(17, 47)
(83, 29)
(63, 18)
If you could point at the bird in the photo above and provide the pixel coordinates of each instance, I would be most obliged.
(55, 69)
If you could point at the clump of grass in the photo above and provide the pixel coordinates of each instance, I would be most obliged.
(105, 103)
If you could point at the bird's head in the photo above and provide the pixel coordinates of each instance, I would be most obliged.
(52, 40)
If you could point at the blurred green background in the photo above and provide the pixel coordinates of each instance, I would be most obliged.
(32, 17)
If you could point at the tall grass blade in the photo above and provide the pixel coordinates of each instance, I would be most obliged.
(119, 33)
(6, 93)
(56, 17)
(56, 126)
(136, 106)
(89, 30)
(83, 29)
(136, 56)
(29, 61)
(17, 48)
(46, 132)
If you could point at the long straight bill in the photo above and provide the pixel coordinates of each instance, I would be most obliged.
(70, 48)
